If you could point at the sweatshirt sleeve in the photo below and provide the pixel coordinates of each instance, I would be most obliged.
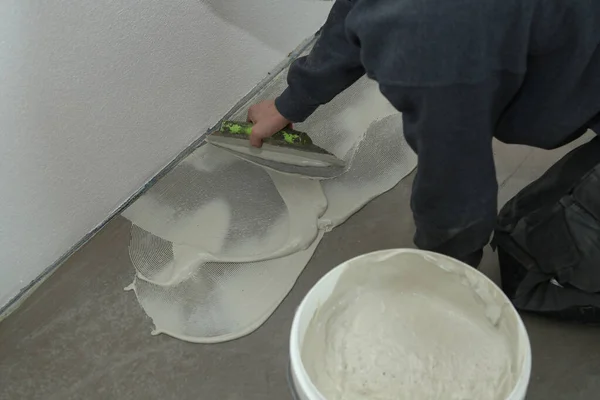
(332, 66)
(454, 199)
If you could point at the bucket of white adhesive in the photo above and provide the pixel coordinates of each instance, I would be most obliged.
(411, 324)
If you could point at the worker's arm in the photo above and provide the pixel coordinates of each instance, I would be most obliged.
(332, 66)
(454, 197)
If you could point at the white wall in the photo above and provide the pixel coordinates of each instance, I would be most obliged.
(96, 96)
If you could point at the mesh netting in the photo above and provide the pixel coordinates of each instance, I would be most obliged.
(382, 159)
(219, 242)
(361, 127)
(228, 209)
(221, 301)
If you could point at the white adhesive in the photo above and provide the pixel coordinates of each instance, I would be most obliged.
(218, 242)
(221, 301)
(236, 213)
(381, 157)
(403, 328)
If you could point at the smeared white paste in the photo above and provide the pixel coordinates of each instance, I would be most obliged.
(404, 328)
(201, 309)
(287, 221)
(218, 242)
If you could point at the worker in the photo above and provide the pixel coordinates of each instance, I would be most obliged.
(461, 72)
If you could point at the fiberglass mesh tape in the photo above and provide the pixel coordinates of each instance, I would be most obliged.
(228, 209)
(221, 301)
(381, 160)
(218, 242)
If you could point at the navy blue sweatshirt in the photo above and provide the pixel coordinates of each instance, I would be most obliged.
(461, 72)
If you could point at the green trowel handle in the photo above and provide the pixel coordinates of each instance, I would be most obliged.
(287, 135)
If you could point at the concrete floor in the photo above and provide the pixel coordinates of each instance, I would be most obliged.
(80, 336)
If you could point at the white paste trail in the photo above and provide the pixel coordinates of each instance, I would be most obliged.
(380, 161)
(237, 213)
(222, 301)
(218, 242)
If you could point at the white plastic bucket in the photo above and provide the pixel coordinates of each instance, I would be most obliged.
(304, 389)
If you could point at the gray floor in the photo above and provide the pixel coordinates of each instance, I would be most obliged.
(80, 336)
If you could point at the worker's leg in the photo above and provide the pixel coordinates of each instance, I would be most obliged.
(465, 244)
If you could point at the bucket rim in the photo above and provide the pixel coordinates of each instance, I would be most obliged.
(298, 372)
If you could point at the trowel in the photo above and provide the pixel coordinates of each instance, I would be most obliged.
(288, 151)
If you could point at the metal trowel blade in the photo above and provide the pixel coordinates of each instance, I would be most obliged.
(268, 156)
(301, 157)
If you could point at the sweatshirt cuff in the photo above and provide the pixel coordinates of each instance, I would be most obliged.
(293, 108)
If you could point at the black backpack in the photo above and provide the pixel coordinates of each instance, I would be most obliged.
(548, 240)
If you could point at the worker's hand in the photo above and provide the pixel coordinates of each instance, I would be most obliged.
(267, 121)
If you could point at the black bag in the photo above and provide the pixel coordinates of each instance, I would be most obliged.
(548, 240)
